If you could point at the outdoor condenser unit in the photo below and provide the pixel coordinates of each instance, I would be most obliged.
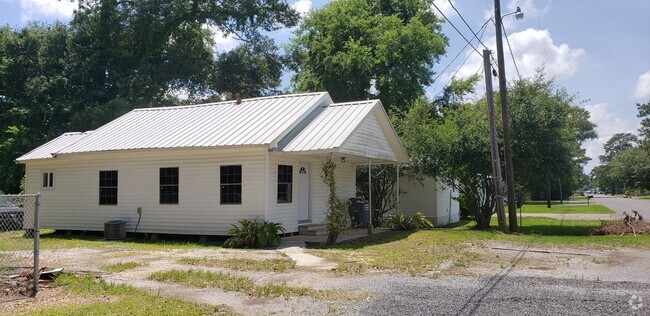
(115, 230)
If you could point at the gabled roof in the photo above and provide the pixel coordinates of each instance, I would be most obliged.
(257, 121)
(361, 128)
(50, 148)
(306, 123)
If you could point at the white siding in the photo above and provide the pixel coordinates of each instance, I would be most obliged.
(431, 198)
(448, 207)
(418, 197)
(369, 140)
(283, 213)
(73, 202)
(346, 188)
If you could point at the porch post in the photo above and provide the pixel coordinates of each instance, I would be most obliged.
(369, 196)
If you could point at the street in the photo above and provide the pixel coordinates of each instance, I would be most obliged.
(620, 205)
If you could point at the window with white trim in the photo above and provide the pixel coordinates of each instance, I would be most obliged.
(48, 180)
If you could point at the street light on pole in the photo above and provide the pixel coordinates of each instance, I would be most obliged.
(505, 114)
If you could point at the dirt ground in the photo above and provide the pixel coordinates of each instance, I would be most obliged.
(514, 260)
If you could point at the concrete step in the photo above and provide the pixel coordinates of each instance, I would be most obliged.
(312, 230)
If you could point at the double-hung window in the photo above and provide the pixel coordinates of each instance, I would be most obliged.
(230, 184)
(169, 185)
(108, 187)
(285, 183)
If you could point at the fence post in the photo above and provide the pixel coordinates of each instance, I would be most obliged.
(37, 239)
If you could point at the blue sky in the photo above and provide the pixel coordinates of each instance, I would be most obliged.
(597, 49)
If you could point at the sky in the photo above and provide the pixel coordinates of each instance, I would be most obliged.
(597, 49)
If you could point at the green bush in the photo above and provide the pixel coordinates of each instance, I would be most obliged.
(253, 234)
(337, 220)
(401, 222)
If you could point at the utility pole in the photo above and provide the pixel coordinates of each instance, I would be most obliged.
(505, 115)
(494, 146)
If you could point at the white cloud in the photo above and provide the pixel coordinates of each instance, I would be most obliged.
(445, 7)
(642, 89)
(532, 49)
(223, 43)
(302, 6)
(43, 9)
(607, 124)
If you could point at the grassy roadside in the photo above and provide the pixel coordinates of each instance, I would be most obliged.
(566, 209)
(91, 297)
(418, 252)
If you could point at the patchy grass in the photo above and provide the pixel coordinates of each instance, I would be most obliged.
(243, 264)
(566, 209)
(429, 250)
(228, 282)
(120, 299)
(52, 240)
(122, 266)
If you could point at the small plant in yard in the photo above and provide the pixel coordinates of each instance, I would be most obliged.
(401, 222)
(243, 264)
(253, 234)
(337, 219)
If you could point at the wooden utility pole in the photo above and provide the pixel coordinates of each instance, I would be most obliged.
(494, 146)
(505, 115)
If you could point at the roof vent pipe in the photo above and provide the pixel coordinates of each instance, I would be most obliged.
(238, 97)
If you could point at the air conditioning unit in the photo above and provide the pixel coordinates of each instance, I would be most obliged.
(115, 230)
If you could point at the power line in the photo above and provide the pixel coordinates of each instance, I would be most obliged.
(461, 51)
(455, 28)
(466, 24)
(482, 30)
(510, 49)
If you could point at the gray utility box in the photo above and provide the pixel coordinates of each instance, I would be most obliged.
(115, 230)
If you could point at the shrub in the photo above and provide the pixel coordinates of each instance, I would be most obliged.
(399, 221)
(253, 234)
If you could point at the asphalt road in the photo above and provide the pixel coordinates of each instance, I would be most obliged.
(506, 295)
(620, 205)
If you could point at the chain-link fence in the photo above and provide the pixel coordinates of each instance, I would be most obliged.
(19, 241)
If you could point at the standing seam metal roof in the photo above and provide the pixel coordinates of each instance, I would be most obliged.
(252, 122)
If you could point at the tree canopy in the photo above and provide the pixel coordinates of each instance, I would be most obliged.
(118, 55)
(359, 49)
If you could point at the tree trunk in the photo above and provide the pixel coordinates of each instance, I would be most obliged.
(548, 190)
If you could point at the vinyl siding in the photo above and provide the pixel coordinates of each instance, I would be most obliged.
(73, 202)
(283, 213)
(418, 197)
(346, 188)
(448, 207)
(369, 140)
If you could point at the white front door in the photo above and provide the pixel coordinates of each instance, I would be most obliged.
(303, 192)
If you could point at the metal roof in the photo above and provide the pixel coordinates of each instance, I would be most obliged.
(256, 121)
(331, 127)
(290, 123)
(51, 147)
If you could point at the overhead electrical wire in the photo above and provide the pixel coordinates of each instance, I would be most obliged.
(466, 24)
(510, 49)
(457, 30)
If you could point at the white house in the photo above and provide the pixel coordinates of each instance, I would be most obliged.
(198, 169)
(436, 201)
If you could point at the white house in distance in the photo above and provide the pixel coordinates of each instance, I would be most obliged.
(436, 201)
(198, 169)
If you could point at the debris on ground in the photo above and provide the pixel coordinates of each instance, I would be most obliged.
(630, 224)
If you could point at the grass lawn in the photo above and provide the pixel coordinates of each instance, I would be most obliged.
(567, 209)
(418, 252)
(243, 264)
(93, 297)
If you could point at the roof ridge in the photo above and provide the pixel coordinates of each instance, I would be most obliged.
(180, 107)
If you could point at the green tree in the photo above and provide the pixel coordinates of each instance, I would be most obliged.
(359, 49)
(644, 130)
(547, 132)
(118, 55)
(617, 143)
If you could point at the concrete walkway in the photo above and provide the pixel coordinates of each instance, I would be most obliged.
(296, 251)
